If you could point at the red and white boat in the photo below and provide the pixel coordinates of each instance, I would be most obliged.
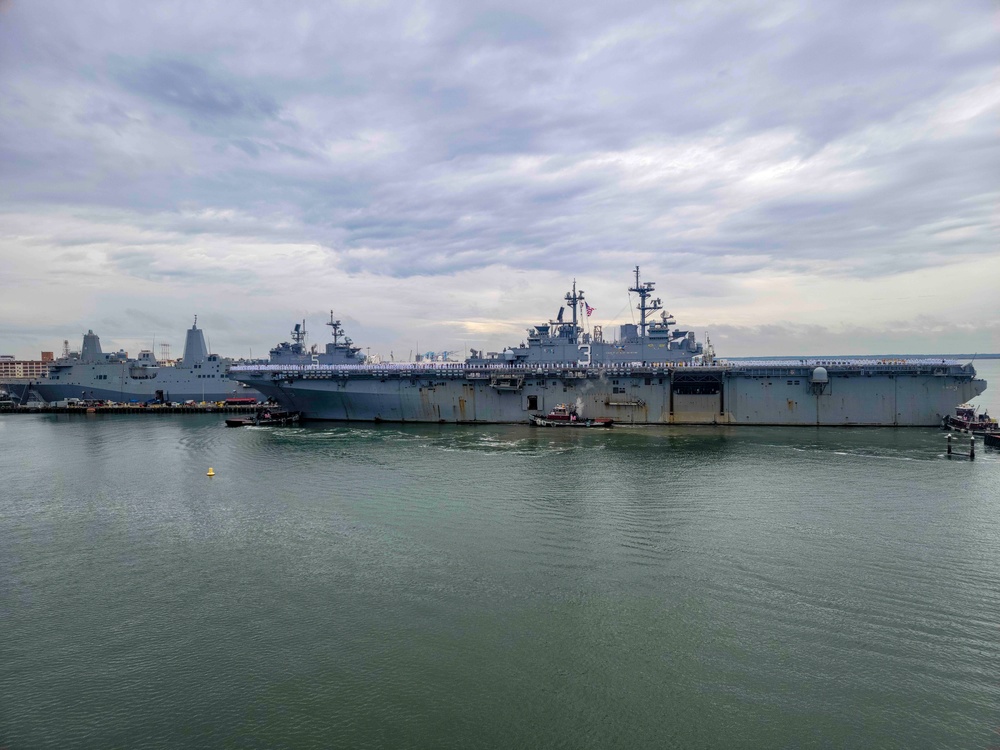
(966, 419)
(564, 415)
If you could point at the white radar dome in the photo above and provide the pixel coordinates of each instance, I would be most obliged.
(820, 375)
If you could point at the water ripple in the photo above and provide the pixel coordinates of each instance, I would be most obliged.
(415, 585)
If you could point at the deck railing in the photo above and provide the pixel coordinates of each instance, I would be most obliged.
(884, 364)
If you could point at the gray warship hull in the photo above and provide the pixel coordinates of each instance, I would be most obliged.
(179, 389)
(909, 393)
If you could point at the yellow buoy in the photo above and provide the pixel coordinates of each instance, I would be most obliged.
(211, 472)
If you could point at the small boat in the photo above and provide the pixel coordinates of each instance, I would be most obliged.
(965, 419)
(265, 416)
(564, 415)
(991, 440)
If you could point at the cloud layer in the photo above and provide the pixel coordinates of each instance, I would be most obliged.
(445, 170)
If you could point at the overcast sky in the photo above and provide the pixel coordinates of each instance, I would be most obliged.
(798, 178)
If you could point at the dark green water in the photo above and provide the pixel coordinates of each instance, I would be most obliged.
(431, 587)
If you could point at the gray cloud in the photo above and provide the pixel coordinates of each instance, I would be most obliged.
(737, 141)
(191, 88)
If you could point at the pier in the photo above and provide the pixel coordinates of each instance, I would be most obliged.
(132, 409)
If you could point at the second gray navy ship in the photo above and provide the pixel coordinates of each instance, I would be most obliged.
(92, 374)
(652, 373)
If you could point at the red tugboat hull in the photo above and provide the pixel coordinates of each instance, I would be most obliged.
(566, 416)
(965, 419)
(543, 422)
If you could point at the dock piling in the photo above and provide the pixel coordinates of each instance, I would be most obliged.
(971, 455)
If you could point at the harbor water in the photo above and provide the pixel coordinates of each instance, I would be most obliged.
(442, 586)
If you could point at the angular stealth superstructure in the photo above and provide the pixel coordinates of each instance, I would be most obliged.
(195, 350)
(90, 352)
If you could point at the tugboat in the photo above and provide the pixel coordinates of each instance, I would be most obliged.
(565, 415)
(265, 416)
(967, 420)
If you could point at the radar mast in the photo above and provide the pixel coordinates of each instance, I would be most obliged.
(645, 290)
(336, 330)
(573, 299)
(299, 333)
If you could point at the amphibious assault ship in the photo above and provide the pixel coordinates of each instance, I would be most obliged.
(93, 374)
(651, 374)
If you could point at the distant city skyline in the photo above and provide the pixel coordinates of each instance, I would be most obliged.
(798, 178)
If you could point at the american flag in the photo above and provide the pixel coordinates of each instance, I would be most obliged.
(590, 310)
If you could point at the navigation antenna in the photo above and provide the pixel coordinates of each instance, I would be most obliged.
(574, 299)
(335, 329)
(645, 290)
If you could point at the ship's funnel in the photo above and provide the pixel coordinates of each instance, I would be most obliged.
(194, 346)
(91, 351)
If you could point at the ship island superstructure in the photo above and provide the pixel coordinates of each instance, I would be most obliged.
(650, 375)
(340, 351)
(563, 340)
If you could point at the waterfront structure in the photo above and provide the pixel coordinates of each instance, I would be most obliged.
(17, 375)
(23, 368)
(650, 375)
